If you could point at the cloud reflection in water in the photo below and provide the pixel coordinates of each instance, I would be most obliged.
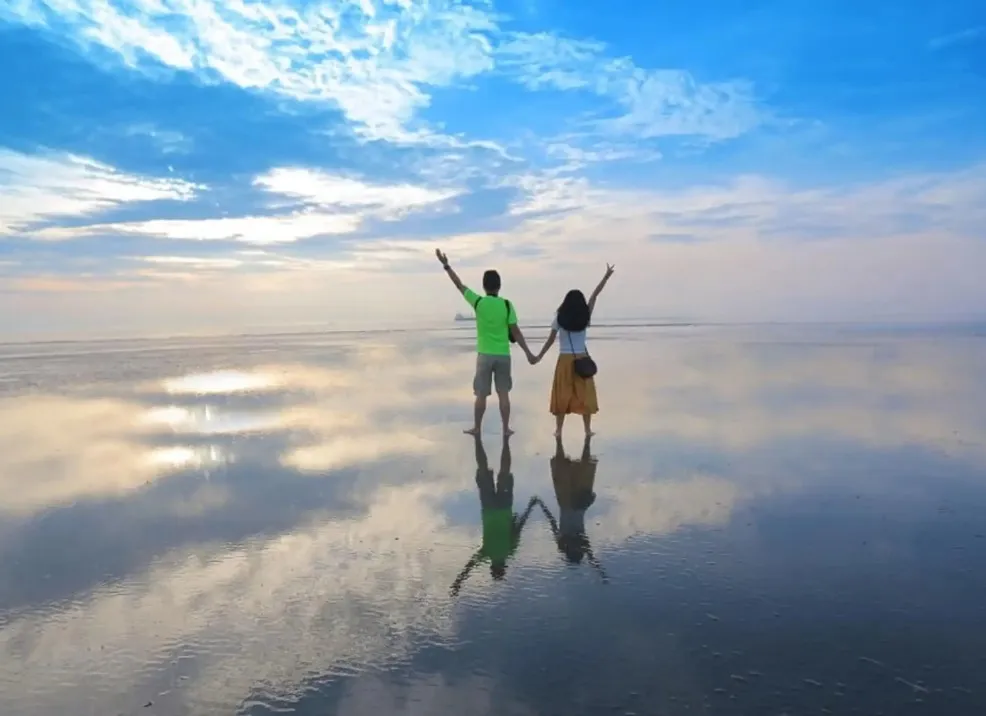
(303, 516)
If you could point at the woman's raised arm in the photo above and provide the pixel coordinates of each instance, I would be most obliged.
(599, 288)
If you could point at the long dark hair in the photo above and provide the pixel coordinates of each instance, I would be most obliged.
(573, 313)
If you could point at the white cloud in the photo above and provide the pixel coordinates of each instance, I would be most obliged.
(762, 208)
(574, 157)
(671, 102)
(548, 193)
(199, 262)
(651, 102)
(374, 61)
(545, 60)
(259, 230)
(378, 62)
(35, 188)
(28, 12)
(132, 38)
(168, 141)
(752, 248)
(331, 190)
(334, 205)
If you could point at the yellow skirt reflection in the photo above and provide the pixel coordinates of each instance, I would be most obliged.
(574, 482)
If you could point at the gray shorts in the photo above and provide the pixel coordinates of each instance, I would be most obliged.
(488, 369)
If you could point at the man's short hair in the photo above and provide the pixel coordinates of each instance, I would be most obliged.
(491, 281)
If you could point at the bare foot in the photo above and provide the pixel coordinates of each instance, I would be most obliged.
(507, 432)
(589, 433)
(471, 431)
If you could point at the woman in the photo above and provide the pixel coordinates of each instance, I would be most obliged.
(571, 393)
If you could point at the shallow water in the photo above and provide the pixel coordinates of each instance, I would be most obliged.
(785, 520)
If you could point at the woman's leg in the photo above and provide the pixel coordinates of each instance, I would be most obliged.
(559, 422)
(590, 405)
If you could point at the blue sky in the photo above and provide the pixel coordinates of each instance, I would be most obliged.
(170, 164)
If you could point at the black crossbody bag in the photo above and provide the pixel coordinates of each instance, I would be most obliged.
(510, 334)
(585, 367)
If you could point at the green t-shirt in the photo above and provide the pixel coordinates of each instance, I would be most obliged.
(492, 323)
(498, 534)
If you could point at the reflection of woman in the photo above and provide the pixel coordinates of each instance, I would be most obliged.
(573, 481)
(570, 392)
(501, 527)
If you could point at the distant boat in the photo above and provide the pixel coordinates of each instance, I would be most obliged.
(460, 317)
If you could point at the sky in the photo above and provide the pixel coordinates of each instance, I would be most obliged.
(182, 166)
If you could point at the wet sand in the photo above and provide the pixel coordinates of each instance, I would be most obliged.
(783, 520)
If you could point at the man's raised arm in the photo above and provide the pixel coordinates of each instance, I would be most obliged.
(453, 276)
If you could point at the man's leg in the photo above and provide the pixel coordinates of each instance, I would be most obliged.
(482, 386)
(504, 384)
(478, 411)
(505, 413)
(505, 478)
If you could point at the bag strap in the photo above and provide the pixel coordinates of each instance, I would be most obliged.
(571, 343)
(507, 319)
(506, 301)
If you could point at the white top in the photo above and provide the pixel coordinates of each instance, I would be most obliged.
(571, 522)
(570, 342)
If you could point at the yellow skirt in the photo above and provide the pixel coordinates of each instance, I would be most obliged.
(570, 393)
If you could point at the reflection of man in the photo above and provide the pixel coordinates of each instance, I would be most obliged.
(501, 527)
(496, 328)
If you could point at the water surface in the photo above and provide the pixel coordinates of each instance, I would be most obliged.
(781, 520)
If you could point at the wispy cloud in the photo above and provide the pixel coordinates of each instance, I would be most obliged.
(324, 189)
(663, 238)
(38, 188)
(379, 61)
(258, 229)
(645, 103)
(167, 141)
(957, 38)
(318, 203)
(375, 61)
(62, 284)
(203, 262)
(759, 207)
(572, 157)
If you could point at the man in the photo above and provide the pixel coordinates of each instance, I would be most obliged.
(501, 526)
(496, 324)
